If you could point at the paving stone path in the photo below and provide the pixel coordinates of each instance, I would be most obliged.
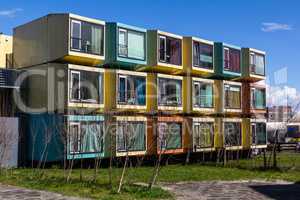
(14, 193)
(243, 190)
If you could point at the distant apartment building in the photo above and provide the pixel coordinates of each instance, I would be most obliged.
(280, 113)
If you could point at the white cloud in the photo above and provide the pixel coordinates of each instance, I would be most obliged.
(282, 95)
(11, 12)
(272, 27)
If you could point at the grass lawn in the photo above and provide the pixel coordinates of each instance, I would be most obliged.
(53, 180)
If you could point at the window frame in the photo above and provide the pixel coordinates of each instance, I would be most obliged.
(253, 99)
(100, 87)
(226, 49)
(79, 86)
(254, 54)
(162, 37)
(127, 32)
(80, 34)
(165, 84)
(125, 77)
(198, 65)
(225, 96)
(197, 146)
(79, 138)
(200, 83)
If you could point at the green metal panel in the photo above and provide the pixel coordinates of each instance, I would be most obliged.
(111, 53)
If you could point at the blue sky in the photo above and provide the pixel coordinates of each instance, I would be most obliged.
(272, 26)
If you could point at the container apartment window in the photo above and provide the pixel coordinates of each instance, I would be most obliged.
(170, 92)
(202, 55)
(169, 135)
(87, 37)
(259, 133)
(232, 60)
(257, 64)
(170, 50)
(258, 98)
(203, 95)
(131, 136)
(232, 132)
(86, 137)
(203, 133)
(74, 138)
(86, 87)
(131, 90)
(132, 44)
(232, 97)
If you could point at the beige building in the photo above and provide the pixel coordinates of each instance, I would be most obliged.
(5, 51)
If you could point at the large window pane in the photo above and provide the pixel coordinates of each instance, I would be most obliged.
(131, 90)
(232, 97)
(203, 134)
(203, 95)
(86, 87)
(87, 37)
(203, 55)
(170, 136)
(136, 45)
(232, 59)
(170, 92)
(131, 136)
(259, 64)
(258, 98)
(232, 131)
(170, 50)
(92, 137)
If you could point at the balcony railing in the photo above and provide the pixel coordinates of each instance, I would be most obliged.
(85, 46)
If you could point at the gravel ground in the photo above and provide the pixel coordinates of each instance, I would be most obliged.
(244, 190)
(13, 193)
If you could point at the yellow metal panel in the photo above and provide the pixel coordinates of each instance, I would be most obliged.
(109, 90)
(151, 96)
(219, 133)
(83, 60)
(187, 49)
(187, 94)
(218, 96)
(246, 133)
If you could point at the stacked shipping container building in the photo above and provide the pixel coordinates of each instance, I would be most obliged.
(96, 89)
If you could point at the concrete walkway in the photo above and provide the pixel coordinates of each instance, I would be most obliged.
(13, 193)
(243, 190)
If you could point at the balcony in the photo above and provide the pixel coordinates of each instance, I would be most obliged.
(198, 57)
(164, 51)
(253, 66)
(227, 61)
(86, 87)
(126, 46)
(169, 93)
(85, 137)
(131, 136)
(203, 134)
(60, 38)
